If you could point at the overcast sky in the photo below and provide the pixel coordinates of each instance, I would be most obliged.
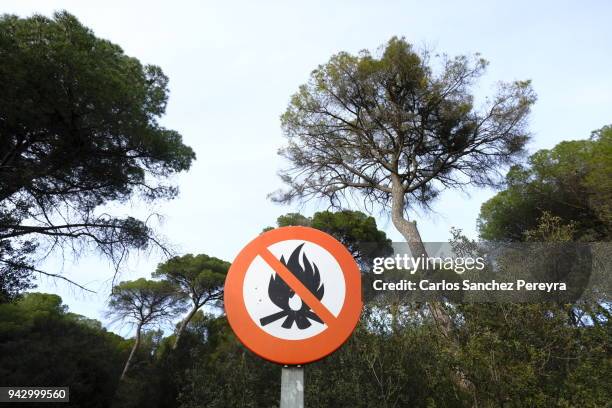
(233, 66)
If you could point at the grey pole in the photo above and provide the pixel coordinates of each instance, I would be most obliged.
(292, 387)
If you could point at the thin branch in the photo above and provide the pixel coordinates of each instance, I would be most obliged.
(51, 275)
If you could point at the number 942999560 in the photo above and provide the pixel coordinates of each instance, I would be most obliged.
(34, 394)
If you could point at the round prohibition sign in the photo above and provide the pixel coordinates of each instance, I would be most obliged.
(329, 311)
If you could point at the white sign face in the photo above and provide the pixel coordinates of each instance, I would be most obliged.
(267, 282)
(276, 308)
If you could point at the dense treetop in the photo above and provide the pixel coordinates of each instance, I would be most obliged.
(396, 129)
(78, 129)
(357, 231)
(366, 123)
(571, 181)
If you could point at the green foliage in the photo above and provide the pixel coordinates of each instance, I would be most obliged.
(571, 181)
(409, 367)
(357, 231)
(198, 277)
(41, 345)
(528, 355)
(142, 387)
(43, 303)
(78, 129)
(225, 374)
(145, 302)
(293, 219)
(15, 272)
(406, 367)
(398, 128)
(539, 354)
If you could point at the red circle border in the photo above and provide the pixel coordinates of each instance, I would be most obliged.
(292, 352)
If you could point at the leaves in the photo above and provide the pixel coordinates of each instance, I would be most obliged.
(396, 125)
(145, 302)
(199, 277)
(570, 181)
(41, 344)
(79, 129)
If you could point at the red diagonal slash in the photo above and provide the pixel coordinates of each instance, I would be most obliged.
(299, 288)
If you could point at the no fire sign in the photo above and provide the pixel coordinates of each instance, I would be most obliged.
(293, 295)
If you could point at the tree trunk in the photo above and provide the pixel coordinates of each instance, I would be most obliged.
(183, 325)
(411, 234)
(407, 228)
(132, 353)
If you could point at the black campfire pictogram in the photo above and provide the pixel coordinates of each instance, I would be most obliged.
(280, 293)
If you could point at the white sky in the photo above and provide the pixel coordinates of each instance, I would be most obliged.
(233, 66)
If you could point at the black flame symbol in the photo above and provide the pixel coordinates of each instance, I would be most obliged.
(280, 293)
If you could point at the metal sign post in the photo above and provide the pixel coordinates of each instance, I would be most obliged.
(292, 387)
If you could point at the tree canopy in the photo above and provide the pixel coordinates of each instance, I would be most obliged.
(357, 231)
(78, 129)
(144, 303)
(571, 181)
(199, 278)
(396, 129)
(41, 343)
